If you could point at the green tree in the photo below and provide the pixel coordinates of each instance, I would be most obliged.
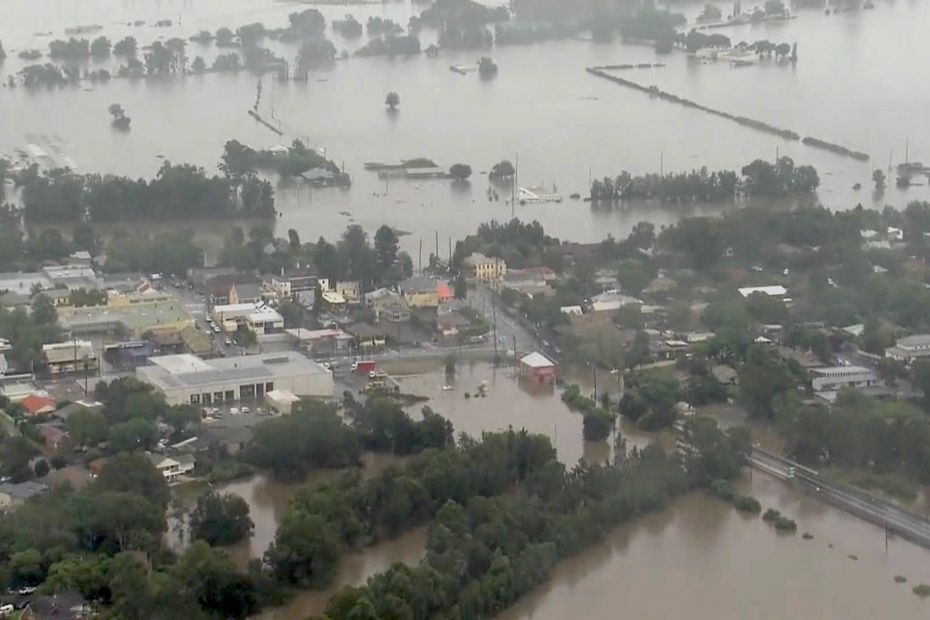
(133, 473)
(762, 378)
(392, 101)
(221, 519)
(306, 550)
(460, 172)
(209, 577)
(134, 434)
(634, 276)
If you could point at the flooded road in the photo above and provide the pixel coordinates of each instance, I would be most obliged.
(564, 136)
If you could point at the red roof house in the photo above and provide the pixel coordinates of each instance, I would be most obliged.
(36, 405)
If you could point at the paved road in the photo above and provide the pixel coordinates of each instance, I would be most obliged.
(855, 501)
(508, 328)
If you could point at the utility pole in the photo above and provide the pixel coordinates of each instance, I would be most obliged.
(494, 307)
(420, 257)
(513, 186)
(595, 383)
(437, 244)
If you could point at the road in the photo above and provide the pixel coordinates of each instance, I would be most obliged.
(854, 501)
(509, 328)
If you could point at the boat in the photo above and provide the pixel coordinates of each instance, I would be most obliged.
(537, 195)
(463, 69)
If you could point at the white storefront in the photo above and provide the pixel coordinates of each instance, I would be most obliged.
(188, 379)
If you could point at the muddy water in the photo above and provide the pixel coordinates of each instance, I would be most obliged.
(854, 84)
(701, 559)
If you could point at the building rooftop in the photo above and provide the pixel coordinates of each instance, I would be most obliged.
(135, 318)
(70, 351)
(264, 315)
(244, 308)
(917, 340)
(248, 291)
(418, 284)
(169, 372)
(772, 291)
(24, 490)
(536, 360)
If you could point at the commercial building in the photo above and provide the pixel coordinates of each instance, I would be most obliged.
(910, 348)
(188, 379)
(834, 378)
(127, 315)
(537, 367)
(259, 318)
(611, 301)
(71, 356)
(484, 269)
(245, 293)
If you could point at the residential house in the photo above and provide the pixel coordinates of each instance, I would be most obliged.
(59, 296)
(173, 467)
(481, 268)
(245, 293)
(72, 356)
(367, 337)
(36, 404)
(611, 301)
(321, 343)
(69, 605)
(350, 291)
(391, 309)
(449, 326)
(293, 282)
(725, 375)
(334, 301)
(420, 291)
(537, 367)
(53, 434)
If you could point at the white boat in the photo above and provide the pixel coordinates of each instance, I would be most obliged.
(536, 195)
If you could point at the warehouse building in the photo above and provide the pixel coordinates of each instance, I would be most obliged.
(188, 379)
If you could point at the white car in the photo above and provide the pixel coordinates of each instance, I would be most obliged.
(234, 411)
(245, 410)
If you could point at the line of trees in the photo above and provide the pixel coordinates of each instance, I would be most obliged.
(759, 178)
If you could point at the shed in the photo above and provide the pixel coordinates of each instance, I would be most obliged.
(281, 400)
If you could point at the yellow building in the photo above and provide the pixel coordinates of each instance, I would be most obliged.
(484, 269)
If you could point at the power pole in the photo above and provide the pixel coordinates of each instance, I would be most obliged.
(494, 308)
(420, 257)
(513, 186)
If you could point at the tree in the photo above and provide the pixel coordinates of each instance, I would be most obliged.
(392, 101)
(761, 379)
(133, 473)
(305, 551)
(597, 425)
(41, 468)
(878, 177)
(386, 247)
(132, 435)
(221, 519)
(15, 455)
(460, 172)
(199, 65)
(634, 276)
(125, 47)
(461, 287)
(100, 48)
(245, 337)
(922, 381)
(86, 427)
(502, 170)
(209, 577)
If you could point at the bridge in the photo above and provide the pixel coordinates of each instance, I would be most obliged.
(857, 502)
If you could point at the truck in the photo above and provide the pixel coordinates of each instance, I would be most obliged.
(364, 366)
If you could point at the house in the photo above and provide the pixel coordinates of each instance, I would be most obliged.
(391, 308)
(294, 282)
(537, 367)
(910, 348)
(450, 325)
(245, 293)
(334, 301)
(420, 291)
(571, 310)
(59, 296)
(611, 301)
(281, 401)
(367, 337)
(515, 278)
(14, 300)
(67, 357)
(173, 467)
(68, 605)
(481, 268)
(321, 343)
(229, 439)
(264, 321)
(14, 494)
(350, 291)
(834, 378)
(35, 404)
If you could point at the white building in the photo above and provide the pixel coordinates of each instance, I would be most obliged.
(610, 301)
(256, 316)
(188, 379)
(833, 378)
(173, 467)
(910, 348)
(772, 291)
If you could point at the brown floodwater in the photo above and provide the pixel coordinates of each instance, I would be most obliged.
(702, 559)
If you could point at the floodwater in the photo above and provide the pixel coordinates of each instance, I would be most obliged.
(699, 558)
(702, 559)
(855, 84)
